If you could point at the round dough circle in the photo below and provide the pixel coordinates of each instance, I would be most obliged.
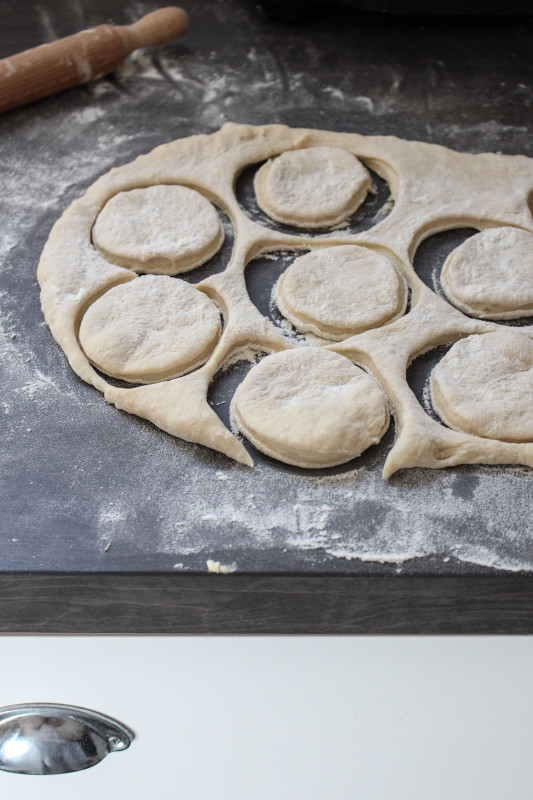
(162, 229)
(337, 292)
(312, 188)
(484, 385)
(310, 408)
(150, 329)
(491, 274)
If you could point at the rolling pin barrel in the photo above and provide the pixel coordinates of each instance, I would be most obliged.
(83, 56)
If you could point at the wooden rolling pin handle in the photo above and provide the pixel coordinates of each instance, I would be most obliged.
(159, 27)
(77, 59)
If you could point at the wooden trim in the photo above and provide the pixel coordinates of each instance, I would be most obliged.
(108, 603)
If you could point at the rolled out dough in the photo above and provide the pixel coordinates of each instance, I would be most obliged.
(432, 189)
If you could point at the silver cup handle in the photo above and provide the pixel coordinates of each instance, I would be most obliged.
(49, 738)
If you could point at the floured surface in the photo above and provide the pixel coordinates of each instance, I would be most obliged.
(135, 498)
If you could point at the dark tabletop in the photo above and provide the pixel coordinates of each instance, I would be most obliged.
(87, 490)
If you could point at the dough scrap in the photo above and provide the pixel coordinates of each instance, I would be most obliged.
(158, 229)
(484, 386)
(150, 329)
(337, 292)
(310, 408)
(491, 274)
(312, 188)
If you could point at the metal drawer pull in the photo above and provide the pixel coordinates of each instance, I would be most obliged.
(49, 739)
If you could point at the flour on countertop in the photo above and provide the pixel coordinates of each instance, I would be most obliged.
(412, 516)
(202, 504)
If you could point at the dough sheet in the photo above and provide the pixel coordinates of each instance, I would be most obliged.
(432, 189)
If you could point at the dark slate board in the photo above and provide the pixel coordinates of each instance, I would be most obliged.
(101, 527)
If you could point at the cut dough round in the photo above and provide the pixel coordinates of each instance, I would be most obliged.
(484, 386)
(150, 329)
(337, 292)
(162, 229)
(310, 407)
(312, 188)
(491, 274)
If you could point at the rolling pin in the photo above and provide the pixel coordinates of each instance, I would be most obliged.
(83, 56)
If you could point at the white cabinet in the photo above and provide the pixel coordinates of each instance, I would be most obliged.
(288, 718)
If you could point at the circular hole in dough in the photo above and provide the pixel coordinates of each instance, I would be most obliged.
(491, 274)
(150, 329)
(484, 385)
(310, 407)
(337, 292)
(312, 188)
(162, 229)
